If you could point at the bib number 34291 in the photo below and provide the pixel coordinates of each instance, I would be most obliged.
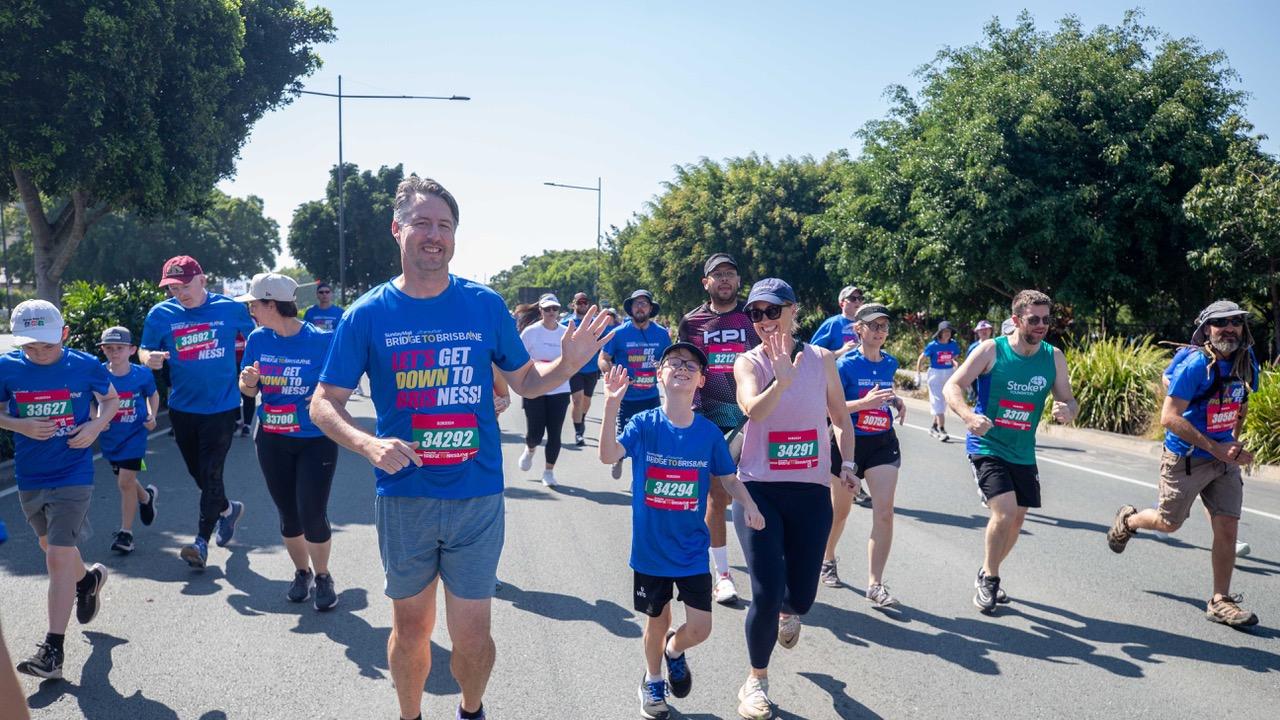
(793, 449)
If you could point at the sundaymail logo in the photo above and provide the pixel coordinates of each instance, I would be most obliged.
(1035, 385)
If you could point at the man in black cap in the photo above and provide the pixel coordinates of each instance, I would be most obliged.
(1203, 416)
(721, 329)
(637, 345)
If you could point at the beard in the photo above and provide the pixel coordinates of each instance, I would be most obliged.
(1225, 346)
(1028, 338)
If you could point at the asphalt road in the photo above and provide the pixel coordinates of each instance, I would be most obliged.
(1090, 634)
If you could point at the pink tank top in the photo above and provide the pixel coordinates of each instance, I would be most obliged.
(790, 445)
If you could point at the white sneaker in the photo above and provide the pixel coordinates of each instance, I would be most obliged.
(753, 700)
(616, 472)
(549, 478)
(526, 459)
(725, 592)
(1242, 549)
(788, 631)
(880, 597)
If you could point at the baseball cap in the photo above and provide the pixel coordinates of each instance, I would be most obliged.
(716, 260)
(179, 270)
(548, 300)
(983, 325)
(771, 290)
(581, 296)
(694, 350)
(116, 336)
(1214, 311)
(848, 290)
(871, 311)
(654, 307)
(1007, 327)
(36, 321)
(270, 286)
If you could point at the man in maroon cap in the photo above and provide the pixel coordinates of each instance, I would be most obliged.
(195, 331)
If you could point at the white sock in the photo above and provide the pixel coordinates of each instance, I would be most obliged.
(667, 649)
(720, 556)
(652, 678)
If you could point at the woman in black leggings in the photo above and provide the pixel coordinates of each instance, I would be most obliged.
(544, 414)
(282, 362)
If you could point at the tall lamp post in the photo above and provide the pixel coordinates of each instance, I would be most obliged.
(599, 197)
(342, 240)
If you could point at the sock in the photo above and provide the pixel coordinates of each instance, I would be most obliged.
(720, 556)
(54, 640)
(652, 678)
(417, 718)
(666, 649)
(479, 713)
(580, 428)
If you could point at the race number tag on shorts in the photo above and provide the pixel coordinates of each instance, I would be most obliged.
(1014, 415)
(52, 404)
(671, 488)
(128, 410)
(192, 340)
(874, 420)
(793, 449)
(720, 356)
(944, 357)
(280, 418)
(448, 439)
(1221, 414)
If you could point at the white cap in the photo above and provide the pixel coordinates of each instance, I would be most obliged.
(36, 321)
(548, 300)
(271, 286)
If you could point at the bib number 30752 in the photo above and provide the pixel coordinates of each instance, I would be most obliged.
(446, 439)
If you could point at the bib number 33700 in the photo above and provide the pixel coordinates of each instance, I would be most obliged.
(446, 439)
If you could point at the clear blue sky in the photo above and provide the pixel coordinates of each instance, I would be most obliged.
(568, 91)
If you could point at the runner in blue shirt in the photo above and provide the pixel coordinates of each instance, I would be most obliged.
(324, 314)
(676, 455)
(46, 398)
(124, 442)
(583, 384)
(943, 356)
(636, 345)
(836, 333)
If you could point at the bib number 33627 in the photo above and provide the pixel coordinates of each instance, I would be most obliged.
(446, 439)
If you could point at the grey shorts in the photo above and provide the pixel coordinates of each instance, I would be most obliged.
(459, 540)
(60, 514)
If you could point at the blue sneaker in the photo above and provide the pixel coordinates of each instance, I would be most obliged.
(679, 677)
(196, 553)
(227, 523)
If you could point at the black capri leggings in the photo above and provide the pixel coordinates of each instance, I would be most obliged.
(784, 558)
(545, 414)
(299, 473)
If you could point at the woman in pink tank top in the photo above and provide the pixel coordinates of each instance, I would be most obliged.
(788, 394)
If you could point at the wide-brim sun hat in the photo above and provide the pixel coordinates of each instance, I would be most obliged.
(653, 306)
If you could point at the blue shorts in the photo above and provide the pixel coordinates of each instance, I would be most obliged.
(458, 540)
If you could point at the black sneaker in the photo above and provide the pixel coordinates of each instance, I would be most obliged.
(244, 431)
(147, 510)
(326, 598)
(579, 440)
(46, 663)
(679, 676)
(653, 700)
(984, 598)
(1001, 596)
(89, 593)
(301, 586)
(123, 542)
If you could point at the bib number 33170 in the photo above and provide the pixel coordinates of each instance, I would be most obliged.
(446, 439)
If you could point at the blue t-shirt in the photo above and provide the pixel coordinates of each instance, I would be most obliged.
(859, 376)
(62, 391)
(1214, 415)
(1178, 357)
(126, 437)
(834, 332)
(941, 354)
(288, 369)
(323, 318)
(671, 471)
(593, 365)
(638, 351)
(430, 365)
(972, 346)
(201, 345)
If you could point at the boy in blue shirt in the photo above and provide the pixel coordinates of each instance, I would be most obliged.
(46, 394)
(124, 442)
(675, 455)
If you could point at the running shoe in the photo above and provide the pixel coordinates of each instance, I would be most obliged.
(244, 430)
(984, 597)
(616, 471)
(46, 663)
(227, 523)
(89, 593)
(1243, 549)
(862, 498)
(326, 598)
(526, 459)
(147, 510)
(196, 554)
(300, 588)
(653, 700)
(753, 700)
(1226, 610)
(1001, 597)
(123, 542)
(879, 596)
(549, 478)
(579, 440)
(788, 631)
(1119, 534)
(458, 714)
(828, 574)
(725, 592)
(933, 431)
(942, 435)
(679, 676)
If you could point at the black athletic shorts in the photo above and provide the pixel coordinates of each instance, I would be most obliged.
(652, 592)
(586, 382)
(996, 476)
(877, 450)
(134, 464)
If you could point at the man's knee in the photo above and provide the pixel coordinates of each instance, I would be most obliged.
(1226, 526)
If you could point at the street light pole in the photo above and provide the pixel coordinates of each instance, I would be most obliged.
(342, 237)
(599, 191)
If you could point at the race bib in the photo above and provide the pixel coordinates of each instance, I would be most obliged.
(944, 357)
(793, 449)
(191, 341)
(323, 323)
(1014, 415)
(446, 439)
(280, 418)
(644, 379)
(128, 410)
(1221, 414)
(720, 356)
(670, 488)
(52, 404)
(874, 421)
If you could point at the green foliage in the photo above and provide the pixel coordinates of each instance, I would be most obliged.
(1262, 422)
(90, 308)
(1117, 383)
(566, 272)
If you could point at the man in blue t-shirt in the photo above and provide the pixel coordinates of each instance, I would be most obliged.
(636, 345)
(1203, 416)
(429, 342)
(675, 456)
(836, 333)
(47, 394)
(195, 331)
(324, 314)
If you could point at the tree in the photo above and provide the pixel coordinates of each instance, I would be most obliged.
(565, 272)
(372, 254)
(141, 106)
(231, 238)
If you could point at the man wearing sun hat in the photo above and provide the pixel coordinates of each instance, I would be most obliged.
(638, 345)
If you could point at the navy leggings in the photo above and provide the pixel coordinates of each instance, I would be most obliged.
(299, 475)
(784, 558)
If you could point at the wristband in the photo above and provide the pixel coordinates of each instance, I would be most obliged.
(850, 464)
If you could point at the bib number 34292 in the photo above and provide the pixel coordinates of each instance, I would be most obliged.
(446, 439)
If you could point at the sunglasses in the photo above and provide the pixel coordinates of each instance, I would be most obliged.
(854, 297)
(1223, 322)
(324, 292)
(554, 308)
(1034, 320)
(773, 312)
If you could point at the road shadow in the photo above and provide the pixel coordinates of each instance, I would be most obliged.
(97, 698)
(1062, 448)
(966, 522)
(513, 492)
(611, 616)
(845, 706)
(1067, 524)
(605, 497)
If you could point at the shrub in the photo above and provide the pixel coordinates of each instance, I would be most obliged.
(89, 308)
(1262, 423)
(1117, 383)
